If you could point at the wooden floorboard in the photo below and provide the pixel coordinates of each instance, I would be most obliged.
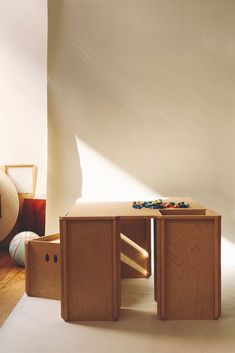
(12, 285)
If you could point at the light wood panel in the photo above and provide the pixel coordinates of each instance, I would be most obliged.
(12, 284)
(188, 267)
(91, 269)
(125, 209)
(43, 267)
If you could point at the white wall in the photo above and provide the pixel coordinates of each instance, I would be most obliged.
(23, 80)
(149, 87)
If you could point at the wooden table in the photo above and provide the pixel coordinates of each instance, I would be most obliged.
(187, 259)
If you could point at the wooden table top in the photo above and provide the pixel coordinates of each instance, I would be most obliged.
(125, 209)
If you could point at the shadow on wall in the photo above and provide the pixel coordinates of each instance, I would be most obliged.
(149, 90)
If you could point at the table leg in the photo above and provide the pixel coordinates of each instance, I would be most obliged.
(187, 266)
(90, 255)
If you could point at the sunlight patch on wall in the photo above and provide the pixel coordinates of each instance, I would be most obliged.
(227, 252)
(102, 180)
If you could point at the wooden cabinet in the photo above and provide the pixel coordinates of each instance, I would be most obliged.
(187, 278)
(90, 269)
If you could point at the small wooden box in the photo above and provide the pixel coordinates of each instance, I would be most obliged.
(42, 262)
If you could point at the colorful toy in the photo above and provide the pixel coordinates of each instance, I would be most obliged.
(159, 204)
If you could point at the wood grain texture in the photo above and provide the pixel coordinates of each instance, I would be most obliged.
(64, 270)
(116, 265)
(139, 231)
(91, 270)
(158, 262)
(188, 283)
(162, 251)
(12, 285)
(43, 267)
(187, 260)
(125, 209)
(217, 266)
(156, 259)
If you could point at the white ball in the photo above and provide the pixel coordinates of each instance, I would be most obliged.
(17, 246)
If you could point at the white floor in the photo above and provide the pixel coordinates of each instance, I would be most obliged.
(35, 326)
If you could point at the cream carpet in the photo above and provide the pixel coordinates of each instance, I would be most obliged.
(35, 326)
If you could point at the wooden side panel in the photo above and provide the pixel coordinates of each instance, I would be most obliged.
(116, 267)
(157, 261)
(189, 269)
(64, 270)
(139, 231)
(155, 256)
(91, 274)
(217, 266)
(43, 270)
(162, 271)
(27, 268)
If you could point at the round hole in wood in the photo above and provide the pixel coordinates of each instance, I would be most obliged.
(47, 257)
(55, 258)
